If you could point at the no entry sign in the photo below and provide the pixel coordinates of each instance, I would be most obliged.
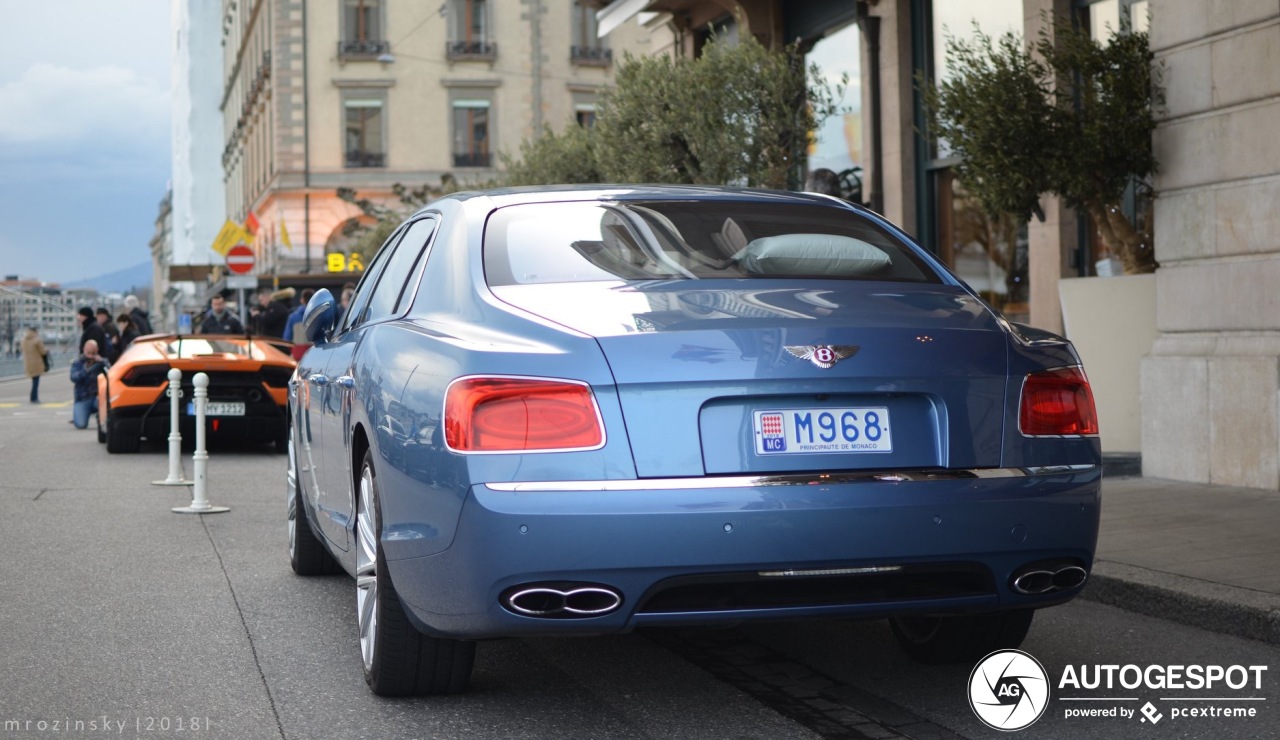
(240, 259)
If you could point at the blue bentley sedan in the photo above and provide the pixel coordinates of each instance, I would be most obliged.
(584, 410)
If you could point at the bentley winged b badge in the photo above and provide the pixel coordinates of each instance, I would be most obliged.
(823, 355)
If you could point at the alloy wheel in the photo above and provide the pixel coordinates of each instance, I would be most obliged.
(292, 489)
(367, 568)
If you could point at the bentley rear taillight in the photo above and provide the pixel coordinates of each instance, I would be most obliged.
(1057, 403)
(503, 414)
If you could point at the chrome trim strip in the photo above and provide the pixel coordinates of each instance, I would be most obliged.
(790, 479)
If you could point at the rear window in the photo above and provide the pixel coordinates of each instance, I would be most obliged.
(672, 240)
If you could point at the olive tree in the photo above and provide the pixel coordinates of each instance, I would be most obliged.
(1068, 116)
(739, 114)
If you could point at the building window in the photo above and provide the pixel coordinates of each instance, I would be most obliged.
(470, 31)
(362, 36)
(365, 146)
(587, 49)
(471, 133)
(585, 115)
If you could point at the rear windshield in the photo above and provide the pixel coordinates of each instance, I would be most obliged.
(665, 240)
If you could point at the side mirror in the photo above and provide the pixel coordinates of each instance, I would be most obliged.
(319, 317)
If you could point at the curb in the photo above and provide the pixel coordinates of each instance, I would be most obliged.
(1229, 610)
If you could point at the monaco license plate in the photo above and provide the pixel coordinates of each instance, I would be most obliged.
(791, 431)
(218, 408)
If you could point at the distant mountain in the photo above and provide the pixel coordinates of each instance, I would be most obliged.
(120, 281)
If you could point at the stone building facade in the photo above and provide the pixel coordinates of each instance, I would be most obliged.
(365, 94)
(1210, 399)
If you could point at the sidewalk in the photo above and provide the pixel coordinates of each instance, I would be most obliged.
(1203, 555)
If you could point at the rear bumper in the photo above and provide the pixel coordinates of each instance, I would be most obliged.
(677, 551)
(263, 421)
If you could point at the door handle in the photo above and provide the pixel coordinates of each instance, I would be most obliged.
(318, 379)
(346, 381)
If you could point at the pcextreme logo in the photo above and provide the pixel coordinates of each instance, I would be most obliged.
(1008, 690)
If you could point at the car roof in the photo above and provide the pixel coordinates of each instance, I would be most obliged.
(617, 192)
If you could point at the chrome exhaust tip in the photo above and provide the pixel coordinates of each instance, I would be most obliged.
(1034, 582)
(1069, 577)
(561, 600)
(1045, 577)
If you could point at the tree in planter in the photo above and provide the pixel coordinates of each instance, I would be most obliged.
(739, 114)
(1075, 119)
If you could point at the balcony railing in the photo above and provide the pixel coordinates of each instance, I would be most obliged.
(472, 159)
(591, 56)
(363, 49)
(366, 159)
(483, 50)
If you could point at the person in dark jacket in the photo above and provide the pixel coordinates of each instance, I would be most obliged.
(141, 319)
(218, 320)
(128, 332)
(85, 370)
(111, 350)
(269, 317)
(89, 328)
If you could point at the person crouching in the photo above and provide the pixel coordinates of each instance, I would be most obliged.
(85, 370)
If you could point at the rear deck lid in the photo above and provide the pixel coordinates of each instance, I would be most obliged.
(736, 358)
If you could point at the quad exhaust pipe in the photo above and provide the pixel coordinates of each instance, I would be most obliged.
(1042, 579)
(561, 600)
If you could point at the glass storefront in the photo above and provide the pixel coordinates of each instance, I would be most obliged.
(988, 253)
(837, 144)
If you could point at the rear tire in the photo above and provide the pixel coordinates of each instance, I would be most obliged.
(960, 638)
(398, 659)
(307, 554)
(119, 441)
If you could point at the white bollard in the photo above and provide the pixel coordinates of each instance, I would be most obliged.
(175, 437)
(200, 459)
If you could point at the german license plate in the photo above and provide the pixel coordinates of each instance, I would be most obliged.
(218, 408)
(792, 431)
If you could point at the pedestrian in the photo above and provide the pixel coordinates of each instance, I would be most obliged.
(128, 331)
(140, 318)
(35, 360)
(111, 350)
(85, 370)
(823, 180)
(272, 312)
(89, 328)
(293, 327)
(348, 292)
(218, 320)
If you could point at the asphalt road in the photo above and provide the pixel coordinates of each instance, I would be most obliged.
(118, 612)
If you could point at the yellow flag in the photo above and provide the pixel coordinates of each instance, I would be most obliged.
(230, 235)
(284, 234)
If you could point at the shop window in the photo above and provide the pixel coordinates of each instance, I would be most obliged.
(989, 253)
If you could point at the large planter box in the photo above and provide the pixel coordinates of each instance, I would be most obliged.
(1112, 323)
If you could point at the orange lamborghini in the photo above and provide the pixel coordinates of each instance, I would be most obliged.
(248, 390)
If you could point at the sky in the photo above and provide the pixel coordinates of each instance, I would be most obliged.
(84, 134)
